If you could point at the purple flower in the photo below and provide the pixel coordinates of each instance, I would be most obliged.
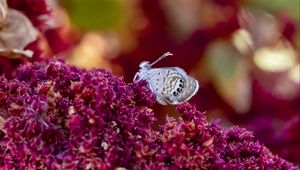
(61, 117)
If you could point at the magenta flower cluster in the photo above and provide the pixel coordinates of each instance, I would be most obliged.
(61, 117)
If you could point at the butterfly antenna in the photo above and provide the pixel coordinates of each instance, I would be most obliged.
(161, 57)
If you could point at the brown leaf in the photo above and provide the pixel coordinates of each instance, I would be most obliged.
(16, 34)
(3, 12)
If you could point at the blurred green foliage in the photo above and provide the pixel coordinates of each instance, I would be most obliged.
(222, 60)
(290, 6)
(94, 14)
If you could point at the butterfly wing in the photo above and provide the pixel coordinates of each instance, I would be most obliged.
(157, 81)
(171, 85)
(189, 89)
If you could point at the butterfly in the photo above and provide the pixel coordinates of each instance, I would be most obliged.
(171, 85)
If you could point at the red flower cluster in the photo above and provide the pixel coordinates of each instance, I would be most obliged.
(61, 117)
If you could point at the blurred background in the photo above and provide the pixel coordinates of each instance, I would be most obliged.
(244, 53)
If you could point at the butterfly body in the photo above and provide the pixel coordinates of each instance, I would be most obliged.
(171, 85)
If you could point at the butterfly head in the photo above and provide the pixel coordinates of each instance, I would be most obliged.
(145, 65)
(143, 72)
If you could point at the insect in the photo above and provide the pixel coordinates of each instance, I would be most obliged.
(171, 85)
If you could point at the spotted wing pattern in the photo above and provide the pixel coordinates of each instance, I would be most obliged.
(171, 85)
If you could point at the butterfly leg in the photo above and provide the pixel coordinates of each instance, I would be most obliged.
(137, 77)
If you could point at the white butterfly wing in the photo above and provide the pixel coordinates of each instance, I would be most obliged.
(171, 85)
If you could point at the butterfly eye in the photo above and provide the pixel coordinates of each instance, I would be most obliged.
(178, 89)
(175, 93)
(180, 85)
(181, 81)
